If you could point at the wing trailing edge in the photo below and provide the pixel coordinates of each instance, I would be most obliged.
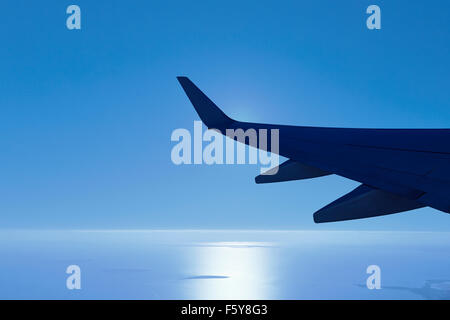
(288, 171)
(364, 202)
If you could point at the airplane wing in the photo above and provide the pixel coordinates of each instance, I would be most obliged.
(399, 169)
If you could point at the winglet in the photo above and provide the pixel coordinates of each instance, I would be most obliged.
(210, 114)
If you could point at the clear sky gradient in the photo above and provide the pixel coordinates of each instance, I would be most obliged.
(86, 115)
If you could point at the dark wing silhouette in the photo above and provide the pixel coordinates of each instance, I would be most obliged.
(399, 169)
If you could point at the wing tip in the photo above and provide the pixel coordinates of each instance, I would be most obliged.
(318, 219)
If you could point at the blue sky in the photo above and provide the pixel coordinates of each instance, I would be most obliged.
(86, 116)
